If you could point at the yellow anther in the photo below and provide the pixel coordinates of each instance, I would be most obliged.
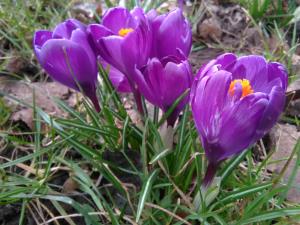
(124, 31)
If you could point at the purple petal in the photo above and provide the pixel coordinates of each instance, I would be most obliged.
(80, 37)
(155, 24)
(39, 39)
(65, 29)
(110, 51)
(41, 36)
(144, 87)
(222, 62)
(207, 69)
(225, 60)
(177, 78)
(117, 78)
(148, 82)
(118, 18)
(151, 15)
(98, 31)
(239, 124)
(272, 111)
(208, 100)
(169, 39)
(277, 70)
(252, 68)
(55, 57)
(135, 49)
(95, 33)
(138, 14)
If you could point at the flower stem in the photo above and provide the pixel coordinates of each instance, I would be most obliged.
(172, 118)
(138, 100)
(210, 174)
(95, 102)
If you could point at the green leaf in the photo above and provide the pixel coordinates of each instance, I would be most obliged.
(84, 127)
(243, 192)
(160, 155)
(68, 109)
(267, 216)
(230, 166)
(145, 193)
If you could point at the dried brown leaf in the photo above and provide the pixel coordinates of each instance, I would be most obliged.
(41, 93)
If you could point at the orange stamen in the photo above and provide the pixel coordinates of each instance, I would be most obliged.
(246, 87)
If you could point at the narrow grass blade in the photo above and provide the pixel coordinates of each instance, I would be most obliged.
(145, 193)
(230, 166)
(160, 155)
(243, 192)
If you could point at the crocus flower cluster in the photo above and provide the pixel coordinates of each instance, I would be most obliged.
(235, 101)
(136, 47)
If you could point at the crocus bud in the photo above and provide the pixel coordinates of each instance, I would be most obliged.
(162, 82)
(67, 57)
(235, 102)
(172, 34)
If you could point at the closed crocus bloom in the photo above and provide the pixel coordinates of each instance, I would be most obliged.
(67, 57)
(172, 34)
(162, 82)
(124, 41)
(235, 102)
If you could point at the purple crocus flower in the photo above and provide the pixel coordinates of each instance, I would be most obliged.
(235, 102)
(124, 41)
(67, 57)
(172, 34)
(163, 81)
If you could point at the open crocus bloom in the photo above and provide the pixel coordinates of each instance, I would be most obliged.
(162, 82)
(172, 34)
(123, 39)
(235, 102)
(67, 57)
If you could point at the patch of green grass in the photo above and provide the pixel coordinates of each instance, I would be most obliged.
(268, 11)
(18, 21)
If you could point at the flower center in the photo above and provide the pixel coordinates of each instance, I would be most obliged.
(124, 31)
(246, 87)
